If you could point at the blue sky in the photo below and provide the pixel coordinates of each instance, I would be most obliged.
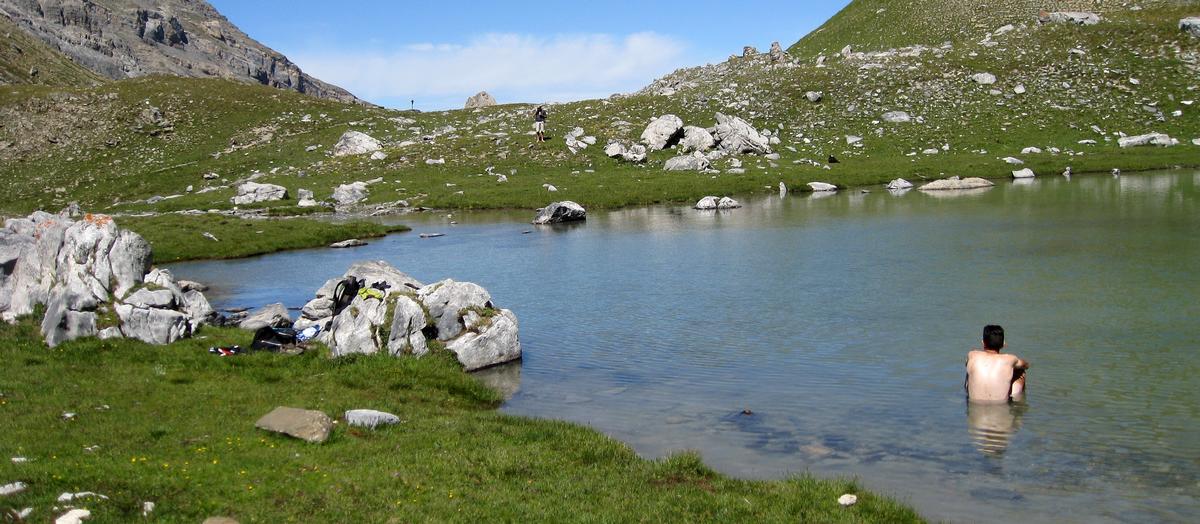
(439, 53)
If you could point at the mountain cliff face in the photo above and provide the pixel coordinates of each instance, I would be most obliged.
(131, 38)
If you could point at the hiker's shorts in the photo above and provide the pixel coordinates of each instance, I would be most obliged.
(539, 127)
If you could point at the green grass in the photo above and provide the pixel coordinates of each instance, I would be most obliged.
(175, 426)
(176, 237)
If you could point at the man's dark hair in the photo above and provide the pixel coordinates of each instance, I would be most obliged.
(993, 337)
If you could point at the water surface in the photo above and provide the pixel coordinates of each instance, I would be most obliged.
(842, 323)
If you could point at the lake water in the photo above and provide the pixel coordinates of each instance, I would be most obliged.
(842, 322)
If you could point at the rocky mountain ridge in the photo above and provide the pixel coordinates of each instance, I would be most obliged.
(120, 39)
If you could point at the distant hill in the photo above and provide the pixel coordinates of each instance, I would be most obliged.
(120, 39)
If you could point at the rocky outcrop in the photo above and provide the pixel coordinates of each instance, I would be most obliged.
(397, 314)
(954, 183)
(94, 280)
(559, 212)
(1068, 17)
(663, 132)
(483, 99)
(355, 143)
(1149, 139)
(253, 193)
(120, 39)
(736, 136)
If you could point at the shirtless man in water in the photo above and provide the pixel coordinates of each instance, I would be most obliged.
(993, 377)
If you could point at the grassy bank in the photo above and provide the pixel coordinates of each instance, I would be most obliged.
(175, 426)
(176, 238)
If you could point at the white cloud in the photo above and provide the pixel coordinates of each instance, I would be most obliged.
(513, 67)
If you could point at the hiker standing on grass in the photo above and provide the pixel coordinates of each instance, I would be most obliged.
(539, 123)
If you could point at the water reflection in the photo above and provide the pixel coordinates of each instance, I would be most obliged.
(993, 426)
(505, 379)
(957, 193)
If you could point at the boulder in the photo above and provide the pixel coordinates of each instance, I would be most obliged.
(1024, 173)
(663, 132)
(819, 187)
(1068, 17)
(370, 418)
(693, 162)
(954, 183)
(253, 192)
(76, 269)
(73, 516)
(482, 99)
(558, 212)
(353, 193)
(1191, 26)
(494, 341)
(696, 139)
(408, 324)
(306, 198)
(1031, 151)
(897, 117)
(736, 136)
(749, 51)
(153, 326)
(1150, 139)
(985, 79)
(307, 425)
(1013, 161)
(728, 203)
(707, 203)
(355, 143)
(447, 301)
(356, 329)
(274, 315)
(814, 96)
(898, 184)
(14, 488)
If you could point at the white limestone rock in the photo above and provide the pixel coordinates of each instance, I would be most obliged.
(736, 136)
(1149, 139)
(355, 143)
(696, 139)
(956, 183)
(663, 132)
(253, 193)
(1024, 173)
(370, 418)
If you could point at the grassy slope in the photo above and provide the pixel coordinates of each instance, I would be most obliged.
(175, 426)
(177, 237)
(20, 52)
(107, 165)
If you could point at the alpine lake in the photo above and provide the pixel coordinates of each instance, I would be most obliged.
(826, 333)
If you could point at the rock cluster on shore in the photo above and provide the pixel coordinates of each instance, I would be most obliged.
(397, 314)
(94, 279)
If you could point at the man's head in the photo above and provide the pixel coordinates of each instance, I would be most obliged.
(993, 337)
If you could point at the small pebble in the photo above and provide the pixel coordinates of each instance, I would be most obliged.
(68, 416)
(848, 500)
(147, 508)
(19, 460)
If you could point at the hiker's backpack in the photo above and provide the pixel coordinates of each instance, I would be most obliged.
(268, 338)
(344, 293)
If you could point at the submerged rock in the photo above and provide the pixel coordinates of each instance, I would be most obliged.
(899, 184)
(819, 187)
(707, 203)
(728, 203)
